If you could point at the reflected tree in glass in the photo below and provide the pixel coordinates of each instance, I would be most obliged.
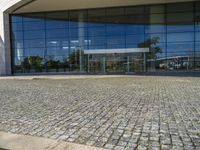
(151, 56)
(74, 61)
(53, 64)
(151, 43)
(35, 62)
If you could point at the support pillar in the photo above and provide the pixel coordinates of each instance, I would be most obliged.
(144, 62)
(5, 48)
(81, 40)
(128, 64)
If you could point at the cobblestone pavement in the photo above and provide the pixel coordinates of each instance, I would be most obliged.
(114, 113)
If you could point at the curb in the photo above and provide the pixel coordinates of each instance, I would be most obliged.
(11, 141)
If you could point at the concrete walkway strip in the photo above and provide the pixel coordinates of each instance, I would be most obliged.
(57, 77)
(10, 141)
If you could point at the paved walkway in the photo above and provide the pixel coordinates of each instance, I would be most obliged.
(113, 113)
(61, 77)
(10, 141)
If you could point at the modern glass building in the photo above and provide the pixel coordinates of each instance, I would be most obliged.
(142, 39)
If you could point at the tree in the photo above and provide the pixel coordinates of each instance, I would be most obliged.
(151, 56)
(53, 64)
(151, 43)
(36, 62)
(74, 57)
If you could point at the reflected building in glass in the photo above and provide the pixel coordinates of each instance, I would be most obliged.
(161, 38)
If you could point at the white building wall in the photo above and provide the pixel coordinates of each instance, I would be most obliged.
(6, 7)
(2, 46)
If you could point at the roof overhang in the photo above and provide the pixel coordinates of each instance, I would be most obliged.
(56, 5)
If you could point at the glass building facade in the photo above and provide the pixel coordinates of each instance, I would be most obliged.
(108, 40)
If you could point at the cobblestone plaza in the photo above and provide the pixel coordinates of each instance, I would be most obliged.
(112, 113)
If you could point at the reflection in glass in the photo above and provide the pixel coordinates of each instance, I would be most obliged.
(197, 36)
(180, 37)
(34, 34)
(180, 28)
(57, 41)
(185, 47)
(180, 7)
(153, 62)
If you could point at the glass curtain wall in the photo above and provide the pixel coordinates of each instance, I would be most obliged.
(55, 41)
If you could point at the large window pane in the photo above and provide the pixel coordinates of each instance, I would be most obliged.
(78, 42)
(78, 19)
(97, 31)
(197, 27)
(115, 46)
(156, 19)
(155, 9)
(34, 43)
(96, 47)
(186, 48)
(160, 37)
(133, 19)
(56, 24)
(97, 40)
(16, 18)
(180, 37)
(34, 25)
(135, 39)
(17, 43)
(135, 29)
(113, 29)
(17, 35)
(180, 18)
(96, 13)
(180, 28)
(197, 6)
(33, 17)
(115, 12)
(197, 21)
(155, 28)
(38, 34)
(57, 33)
(197, 46)
(180, 7)
(197, 61)
(116, 40)
(57, 51)
(134, 10)
(78, 32)
(34, 52)
(55, 42)
(162, 50)
(60, 16)
(17, 26)
(18, 51)
(131, 45)
(197, 36)
(197, 64)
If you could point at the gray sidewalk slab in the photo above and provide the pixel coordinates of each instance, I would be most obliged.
(56, 77)
(22, 142)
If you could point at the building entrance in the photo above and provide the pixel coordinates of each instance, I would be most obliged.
(115, 63)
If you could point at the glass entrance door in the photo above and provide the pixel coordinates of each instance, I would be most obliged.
(136, 62)
(115, 63)
(96, 64)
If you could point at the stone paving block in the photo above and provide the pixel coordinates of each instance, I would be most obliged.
(113, 113)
